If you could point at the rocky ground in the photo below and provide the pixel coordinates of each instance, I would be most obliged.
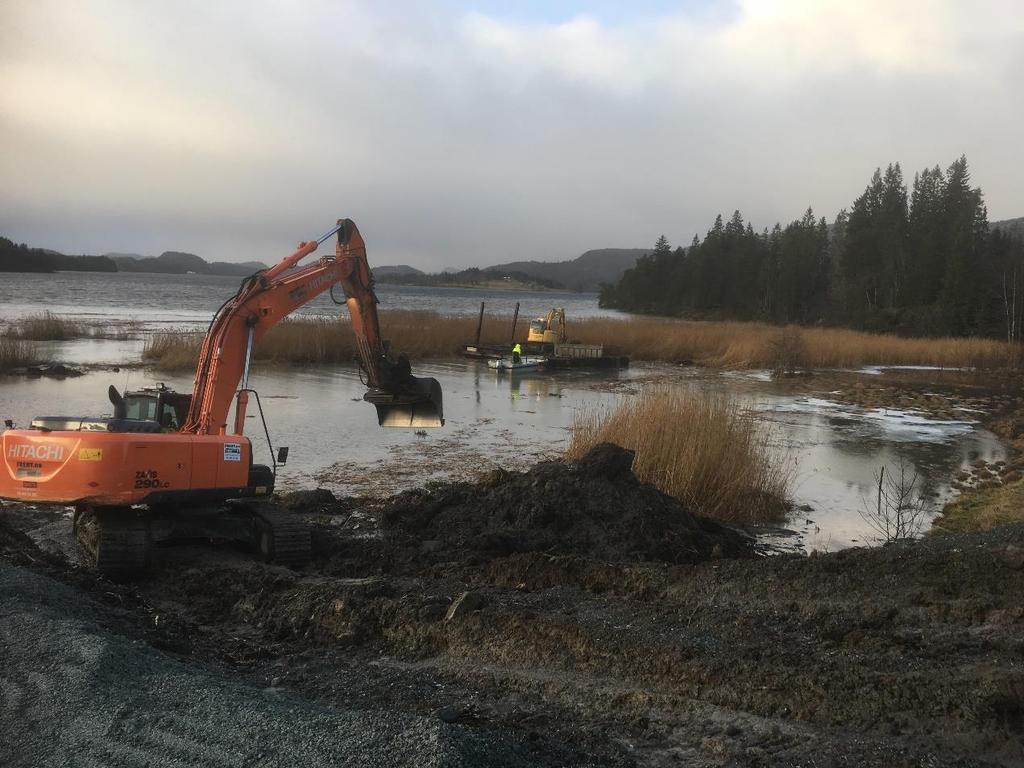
(564, 616)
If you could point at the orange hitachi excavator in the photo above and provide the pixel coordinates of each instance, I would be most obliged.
(134, 481)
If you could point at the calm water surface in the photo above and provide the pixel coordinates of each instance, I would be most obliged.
(190, 300)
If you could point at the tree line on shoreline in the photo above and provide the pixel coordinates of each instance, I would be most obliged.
(471, 277)
(19, 257)
(919, 263)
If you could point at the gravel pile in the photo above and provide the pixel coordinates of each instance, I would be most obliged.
(72, 693)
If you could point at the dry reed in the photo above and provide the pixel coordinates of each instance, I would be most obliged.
(47, 327)
(312, 340)
(756, 345)
(715, 344)
(17, 353)
(700, 447)
(172, 350)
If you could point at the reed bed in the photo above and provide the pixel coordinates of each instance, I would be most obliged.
(320, 340)
(715, 344)
(739, 345)
(17, 353)
(47, 327)
(700, 447)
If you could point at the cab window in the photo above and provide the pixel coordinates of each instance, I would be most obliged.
(169, 417)
(141, 408)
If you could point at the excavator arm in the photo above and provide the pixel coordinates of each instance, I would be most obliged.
(557, 317)
(269, 296)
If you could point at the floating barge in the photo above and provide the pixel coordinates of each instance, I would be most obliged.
(555, 356)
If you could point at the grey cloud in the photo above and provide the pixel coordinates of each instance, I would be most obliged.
(236, 131)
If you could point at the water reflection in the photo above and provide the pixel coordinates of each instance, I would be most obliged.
(513, 420)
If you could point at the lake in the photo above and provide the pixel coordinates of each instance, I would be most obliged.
(190, 300)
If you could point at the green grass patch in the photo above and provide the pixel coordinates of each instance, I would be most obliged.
(981, 509)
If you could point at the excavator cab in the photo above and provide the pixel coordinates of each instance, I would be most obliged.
(160, 404)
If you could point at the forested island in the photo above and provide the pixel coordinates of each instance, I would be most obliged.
(923, 263)
(469, 278)
(587, 272)
(19, 257)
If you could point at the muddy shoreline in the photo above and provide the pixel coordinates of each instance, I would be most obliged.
(595, 653)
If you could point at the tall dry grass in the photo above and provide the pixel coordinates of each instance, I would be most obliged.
(17, 353)
(700, 447)
(47, 327)
(311, 340)
(172, 350)
(757, 345)
(715, 344)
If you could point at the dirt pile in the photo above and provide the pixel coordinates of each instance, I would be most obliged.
(593, 507)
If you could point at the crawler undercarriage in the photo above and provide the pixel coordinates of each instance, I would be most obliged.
(123, 541)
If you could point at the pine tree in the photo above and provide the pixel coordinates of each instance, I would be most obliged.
(862, 258)
(967, 227)
(891, 228)
(926, 246)
(662, 249)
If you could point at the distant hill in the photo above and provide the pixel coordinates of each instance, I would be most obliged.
(584, 273)
(1014, 227)
(18, 257)
(470, 278)
(396, 270)
(178, 263)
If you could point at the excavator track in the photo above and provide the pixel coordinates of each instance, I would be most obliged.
(282, 537)
(118, 540)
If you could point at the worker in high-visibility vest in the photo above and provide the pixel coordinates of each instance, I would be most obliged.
(517, 352)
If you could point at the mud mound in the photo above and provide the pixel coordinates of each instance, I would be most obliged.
(593, 507)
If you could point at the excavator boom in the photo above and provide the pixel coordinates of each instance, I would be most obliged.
(266, 298)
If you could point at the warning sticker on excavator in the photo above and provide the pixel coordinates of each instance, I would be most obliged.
(90, 454)
(232, 451)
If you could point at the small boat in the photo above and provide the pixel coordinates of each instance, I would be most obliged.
(525, 364)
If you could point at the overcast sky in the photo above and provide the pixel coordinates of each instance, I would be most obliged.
(461, 133)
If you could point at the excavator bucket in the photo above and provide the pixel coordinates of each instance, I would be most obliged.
(418, 405)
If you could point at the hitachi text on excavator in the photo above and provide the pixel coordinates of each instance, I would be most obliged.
(169, 466)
